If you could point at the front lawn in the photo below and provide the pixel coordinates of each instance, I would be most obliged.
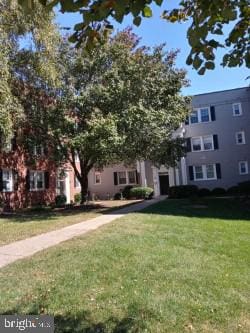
(178, 266)
(30, 223)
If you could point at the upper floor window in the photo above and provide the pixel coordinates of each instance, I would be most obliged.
(97, 178)
(201, 115)
(7, 147)
(240, 138)
(237, 110)
(37, 180)
(38, 150)
(243, 167)
(7, 180)
(202, 143)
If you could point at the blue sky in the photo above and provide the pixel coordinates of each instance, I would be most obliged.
(155, 31)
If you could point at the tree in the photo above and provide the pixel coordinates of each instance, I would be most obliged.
(207, 19)
(18, 63)
(118, 103)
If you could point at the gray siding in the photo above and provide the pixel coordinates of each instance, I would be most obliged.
(225, 126)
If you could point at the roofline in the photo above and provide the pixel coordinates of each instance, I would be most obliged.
(220, 91)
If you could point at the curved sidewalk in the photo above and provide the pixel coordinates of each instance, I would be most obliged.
(27, 247)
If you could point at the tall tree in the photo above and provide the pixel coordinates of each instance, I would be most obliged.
(117, 103)
(26, 54)
(207, 19)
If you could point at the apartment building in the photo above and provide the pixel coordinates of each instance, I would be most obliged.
(217, 135)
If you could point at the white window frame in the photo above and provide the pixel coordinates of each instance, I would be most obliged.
(7, 147)
(246, 165)
(35, 173)
(198, 110)
(240, 109)
(127, 177)
(35, 149)
(243, 138)
(201, 138)
(204, 172)
(11, 180)
(99, 174)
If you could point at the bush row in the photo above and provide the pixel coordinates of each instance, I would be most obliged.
(185, 191)
(130, 192)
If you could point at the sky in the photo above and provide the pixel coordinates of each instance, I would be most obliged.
(154, 31)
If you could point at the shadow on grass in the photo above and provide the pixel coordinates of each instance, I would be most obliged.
(84, 322)
(216, 208)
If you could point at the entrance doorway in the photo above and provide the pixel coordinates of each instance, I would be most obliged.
(164, 184)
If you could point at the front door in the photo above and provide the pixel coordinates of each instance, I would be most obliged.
(164, 184)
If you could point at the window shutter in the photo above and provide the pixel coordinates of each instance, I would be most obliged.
(15, 180)
(187, 121)
(191, 172)
(218, 170)
(1, 180)
(13, 143)
(46, 179)
(27, 180)
(212, 113)
(137, 176)
(115, 178)
(188, 145)
(216, 144)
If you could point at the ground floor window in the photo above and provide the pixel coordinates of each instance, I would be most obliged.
(37, 180)
(97, 179)
(204, 172)
(243, 167)
(126, 177)
(7, 179)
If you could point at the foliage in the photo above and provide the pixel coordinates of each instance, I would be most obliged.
(141, 192)
(60, 200)
(182, 191)
(27, 55)
(118, 196)
(126, 191)
(119, 103)
(233, 190)
(205, 34)
(77, 198)
(204, 192)
(218, 191)
(244, 187)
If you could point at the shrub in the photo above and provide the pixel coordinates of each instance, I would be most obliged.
(182, 191)
(60, 200)
(77, 198)
(244, 187)
(141, 192)
(118, 196)
(233, 190)
(126, 192)
(204, 192)
(218, 191)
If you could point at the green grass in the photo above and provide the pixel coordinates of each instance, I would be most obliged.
(30, 223)
(178, 266)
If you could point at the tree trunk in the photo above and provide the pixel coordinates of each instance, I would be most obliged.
(84, 186)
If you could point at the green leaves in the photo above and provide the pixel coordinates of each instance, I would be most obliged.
(147, 12)
(137, 21)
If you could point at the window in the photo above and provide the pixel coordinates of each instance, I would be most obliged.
(131, 177)
(194, 117)
(122, 179)
(204, 115)
(237, 111)
(126, 177)
(243, 167)
(201, 115)
(38, 150)
(97, 178)
(7, 147)
(7, 178)
(240, 138)
(37, 181)
(205, 172)
(202, 143)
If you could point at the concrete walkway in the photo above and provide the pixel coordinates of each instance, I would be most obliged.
(27, 247)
